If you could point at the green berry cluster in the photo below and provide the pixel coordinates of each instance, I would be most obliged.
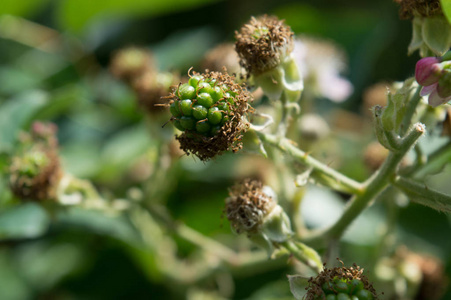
(344, 289)
(210, 111)
(202, 105)
(340, 283)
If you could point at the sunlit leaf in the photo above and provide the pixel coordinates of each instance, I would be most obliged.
(297, 286)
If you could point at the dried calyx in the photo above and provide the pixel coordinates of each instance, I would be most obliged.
(340, 283)
(263, 43)
(252, 208)
(419, 8)
(248, 205)
(211, 112)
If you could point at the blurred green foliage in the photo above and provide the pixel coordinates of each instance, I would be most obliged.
(82, 254)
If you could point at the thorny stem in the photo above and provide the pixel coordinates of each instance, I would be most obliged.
(286, 146)
(372, 188)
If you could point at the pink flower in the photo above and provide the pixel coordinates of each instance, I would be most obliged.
(435, 78)
(428, 71)
(434, 99)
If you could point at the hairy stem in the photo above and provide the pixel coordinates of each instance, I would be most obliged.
(410, 111)
(421, 194)
(341, 182)
(372, 188)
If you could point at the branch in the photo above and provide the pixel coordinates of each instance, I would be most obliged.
(420, 193)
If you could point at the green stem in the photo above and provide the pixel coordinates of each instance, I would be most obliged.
(410, 111)
(341, 182)
(439, 157)
(206, 243)
(300, 255)
(421, 194)
(372, 188)
(283, 125)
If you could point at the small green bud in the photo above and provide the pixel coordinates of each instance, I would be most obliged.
(194, 80)
(186, 107)
(175, 109)
(188, 123)
(178, 124)
(356, 285)
(186, 91)
(203, 126)
(364, 295)
(341, 286)
(199, 112)
(205, 100)
(214, 116)
(216, 94)
(343, 296)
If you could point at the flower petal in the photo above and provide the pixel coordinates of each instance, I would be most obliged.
(435, 100)
(426, 90)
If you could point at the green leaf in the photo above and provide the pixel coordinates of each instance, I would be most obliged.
(24, 221)
(15, 113)
(446, 8)
(437, 34)
(298, 284)
(76, 14)
(311, 255)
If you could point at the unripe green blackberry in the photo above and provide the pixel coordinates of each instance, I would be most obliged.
(340, 284)
(210, 110)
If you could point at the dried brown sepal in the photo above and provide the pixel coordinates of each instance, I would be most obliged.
(41, 187)
(230, 135)
(129, 63)
(418, 8)
(247, 205)
(262, 43)
(315, 284)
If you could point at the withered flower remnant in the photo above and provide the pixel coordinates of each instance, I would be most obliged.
(252, 208)
(263, 43)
